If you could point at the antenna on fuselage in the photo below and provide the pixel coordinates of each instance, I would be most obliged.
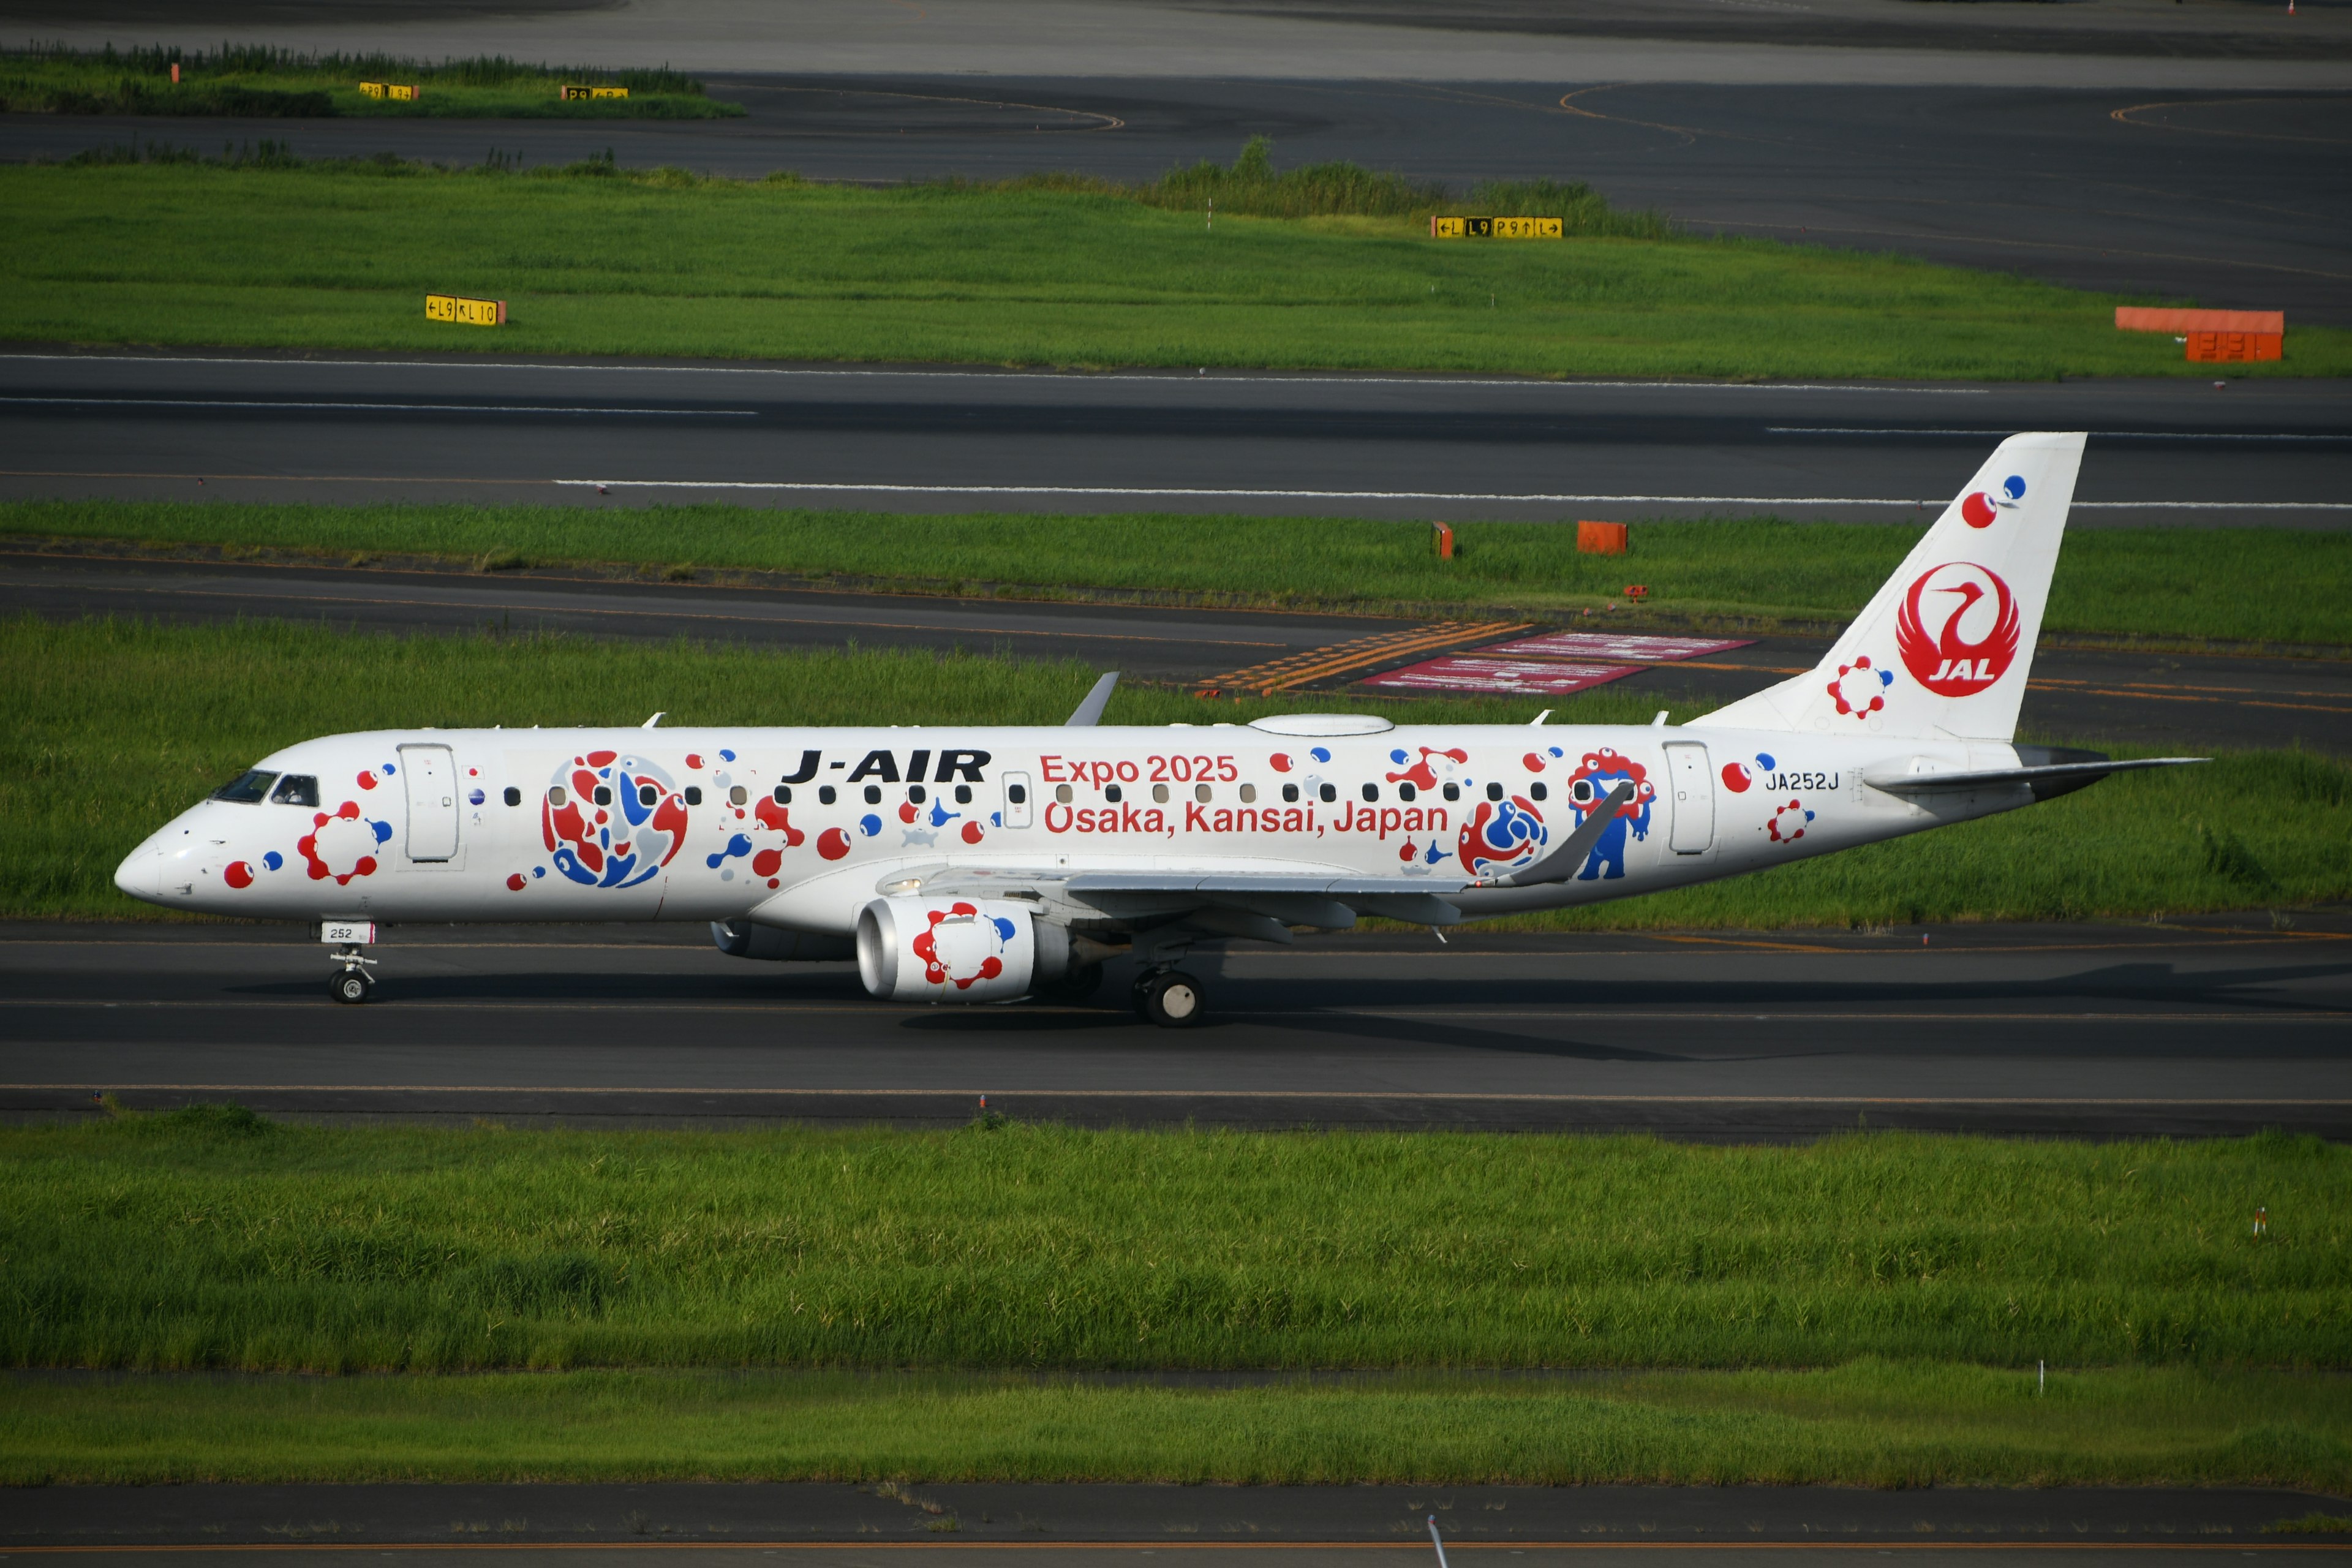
(1090, 712)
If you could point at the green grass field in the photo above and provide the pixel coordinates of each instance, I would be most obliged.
(1867, 1422)
(667, 263)
(261, 81)
(108, 729)
(2158, 584)
(214, 1241)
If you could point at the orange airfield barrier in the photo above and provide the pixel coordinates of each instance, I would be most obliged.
(2213, 336)
(1600, 538)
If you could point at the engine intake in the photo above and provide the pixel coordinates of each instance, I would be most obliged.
(913, 949)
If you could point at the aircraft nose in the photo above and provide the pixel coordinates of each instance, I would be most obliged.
(140, 875)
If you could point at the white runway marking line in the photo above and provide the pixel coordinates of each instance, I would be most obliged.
(379, 407)
(1089, 377)
(1455, 497)
(1361, 1094)
(2095, 435)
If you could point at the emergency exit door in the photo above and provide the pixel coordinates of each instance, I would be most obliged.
(432, 802)
(1692, 788)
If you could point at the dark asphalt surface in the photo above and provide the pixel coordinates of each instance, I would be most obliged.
(2217, 1025)
(2185, 703)
(2234, 199)
(356, 429)
(634, 1524)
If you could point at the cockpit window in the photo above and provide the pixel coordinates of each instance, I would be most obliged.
(296, 789)
(247, 787)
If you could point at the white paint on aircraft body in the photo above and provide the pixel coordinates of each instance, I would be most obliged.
(812, 866)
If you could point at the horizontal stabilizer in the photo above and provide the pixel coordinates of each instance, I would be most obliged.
(2066, 773)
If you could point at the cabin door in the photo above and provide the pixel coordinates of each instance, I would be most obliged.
(1017, 800)
(1693, 802)
(432, 802)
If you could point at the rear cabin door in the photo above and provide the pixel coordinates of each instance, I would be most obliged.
(1694, 804)
(432, 802)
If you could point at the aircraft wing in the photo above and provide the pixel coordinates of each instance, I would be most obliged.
(1264, 899)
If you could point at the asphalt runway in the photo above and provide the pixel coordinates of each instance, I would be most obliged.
(2234, 199)
(748, 1525)
(362, 428)
(2182, 704)
(2206, 1026)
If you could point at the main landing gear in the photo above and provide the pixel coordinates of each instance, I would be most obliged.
(1171, 998)
(352, 985)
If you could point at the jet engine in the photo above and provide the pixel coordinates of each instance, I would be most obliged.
(913, 949)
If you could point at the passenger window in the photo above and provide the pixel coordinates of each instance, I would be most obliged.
(826, 795)
(1406, 792)
(1201, 794)
(513, 796)
(874, 795)
(647, 794)
(963, 795)
(737, 795)
(603, 794)
(783, 795)
(1371, 791)
(694, 795)
(247, 787)
(914, 794)
(1537, 790)
(1062, 794)
(1290, 792)
(555, 795)
(1159, 793)
(1329, 793)
(1454, 792)
(296, 789)
(1494, 792)
(1018, 794)
(1111, 793)
(1249, 795)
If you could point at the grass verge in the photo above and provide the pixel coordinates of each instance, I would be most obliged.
(209, 1238)
(109, 727)
(257, 80)
(2159, 584)
(1870, 1423)
(668, 263)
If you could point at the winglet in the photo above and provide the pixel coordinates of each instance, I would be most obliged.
(1564, 862)
(655, 723)
(1090, 712)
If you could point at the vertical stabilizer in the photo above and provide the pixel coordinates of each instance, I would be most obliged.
(1943, 650)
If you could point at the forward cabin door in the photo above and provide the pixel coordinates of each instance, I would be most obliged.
(1693, 802)
(432, 802)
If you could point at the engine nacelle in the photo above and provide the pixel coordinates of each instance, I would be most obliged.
(913, 949)
(742, 939)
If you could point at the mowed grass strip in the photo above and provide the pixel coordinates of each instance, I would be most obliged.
(209, 1238)
(1866, 1423)
(110, 727)
(257, 80)
(2162, 584)
(318, 257)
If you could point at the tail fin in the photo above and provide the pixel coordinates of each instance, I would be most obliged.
(1943, 650)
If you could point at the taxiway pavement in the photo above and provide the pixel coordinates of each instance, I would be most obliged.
(750, 1525)
(2220, 1024)
(390, 427)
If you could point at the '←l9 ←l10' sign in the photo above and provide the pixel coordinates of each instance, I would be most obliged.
(467, 313)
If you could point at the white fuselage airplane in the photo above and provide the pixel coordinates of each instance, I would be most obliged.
(968, 864)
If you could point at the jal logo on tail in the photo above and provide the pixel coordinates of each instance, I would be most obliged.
(1959, 628)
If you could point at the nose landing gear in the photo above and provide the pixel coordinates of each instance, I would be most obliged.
(352, 985)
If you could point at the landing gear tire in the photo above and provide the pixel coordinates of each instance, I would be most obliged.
(350, 987)
(1172, 1001)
